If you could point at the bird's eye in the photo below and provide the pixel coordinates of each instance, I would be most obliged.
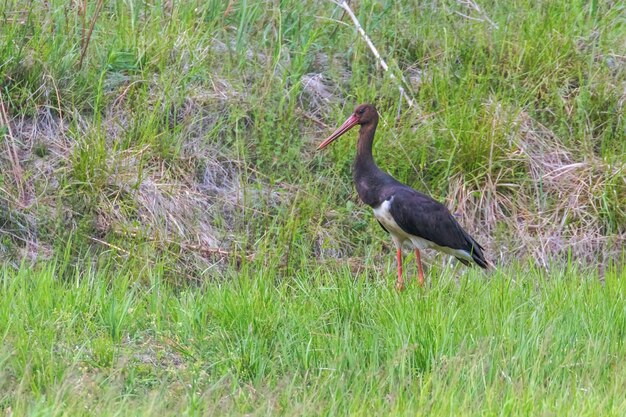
(360, 111)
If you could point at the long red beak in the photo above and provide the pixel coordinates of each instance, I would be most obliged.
(347, 125)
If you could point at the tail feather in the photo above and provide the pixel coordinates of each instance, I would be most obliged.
(480, 259)
(475, 250)
(477, 254)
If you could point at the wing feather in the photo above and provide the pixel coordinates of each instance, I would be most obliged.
(421, 216)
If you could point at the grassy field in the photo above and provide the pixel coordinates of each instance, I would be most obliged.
(172, 243)
(323, 342)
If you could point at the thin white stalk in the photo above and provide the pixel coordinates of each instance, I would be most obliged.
(403, 93)
(473, 5)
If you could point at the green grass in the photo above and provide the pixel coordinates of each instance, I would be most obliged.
(323, 342)
(174, 244)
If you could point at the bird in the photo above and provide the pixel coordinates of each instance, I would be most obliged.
(408, 215)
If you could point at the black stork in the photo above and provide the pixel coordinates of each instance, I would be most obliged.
(406, 214)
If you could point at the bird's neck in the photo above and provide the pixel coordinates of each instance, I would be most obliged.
(364, 161)
(368, 178)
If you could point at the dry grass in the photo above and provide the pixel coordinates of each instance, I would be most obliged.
(557, 212)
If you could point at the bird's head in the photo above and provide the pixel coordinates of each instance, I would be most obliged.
(364, 114)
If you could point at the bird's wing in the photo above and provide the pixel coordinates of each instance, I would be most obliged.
(421, 216)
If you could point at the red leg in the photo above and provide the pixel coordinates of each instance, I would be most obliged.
(400, 282)
(420, 271)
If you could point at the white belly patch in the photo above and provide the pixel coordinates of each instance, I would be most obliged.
(384, 216)
(399, 236)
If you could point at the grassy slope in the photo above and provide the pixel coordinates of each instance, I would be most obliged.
(193, 127)
(323, 342)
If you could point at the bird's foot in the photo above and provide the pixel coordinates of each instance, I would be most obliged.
(400, 286)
